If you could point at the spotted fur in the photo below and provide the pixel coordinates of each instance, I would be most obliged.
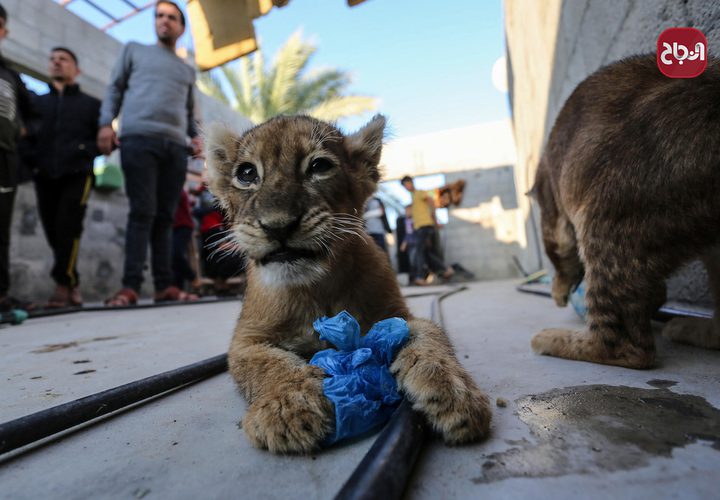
(293, 189)
(628, 190)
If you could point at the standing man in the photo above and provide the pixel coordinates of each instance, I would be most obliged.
(14, 105)
(64, 150)
(424, 223)
(376, 223)
(154, 87)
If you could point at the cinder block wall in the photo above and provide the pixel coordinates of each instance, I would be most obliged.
(553, 45)
(35, 27)
(484, 233)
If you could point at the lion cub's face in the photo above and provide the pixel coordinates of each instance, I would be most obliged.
(293, 188)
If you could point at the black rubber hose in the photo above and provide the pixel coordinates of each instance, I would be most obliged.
(31, 428)
(664, 314)
(44, 313)
(386, 468)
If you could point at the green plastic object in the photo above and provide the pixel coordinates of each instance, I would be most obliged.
(108, 177)
(14, 316)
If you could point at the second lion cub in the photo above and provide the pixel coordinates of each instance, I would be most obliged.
(292, 188)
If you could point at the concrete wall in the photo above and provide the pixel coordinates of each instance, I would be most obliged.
(553, 45)
(530, 32)
(35, 27)
(486, 231)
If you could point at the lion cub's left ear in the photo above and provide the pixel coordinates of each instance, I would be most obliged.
(365, 146)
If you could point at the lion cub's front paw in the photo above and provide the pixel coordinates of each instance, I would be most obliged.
(294, 417)
(446, 394)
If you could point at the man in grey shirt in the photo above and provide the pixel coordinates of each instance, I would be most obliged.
(154, 88)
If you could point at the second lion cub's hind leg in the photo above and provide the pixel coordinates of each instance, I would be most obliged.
(431, 377)
(701, 332)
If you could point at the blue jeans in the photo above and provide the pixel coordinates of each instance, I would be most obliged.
(154, 172)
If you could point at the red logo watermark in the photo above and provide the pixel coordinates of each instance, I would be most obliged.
(682, 52)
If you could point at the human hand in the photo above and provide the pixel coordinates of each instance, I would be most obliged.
(197, 146)
(106, 139)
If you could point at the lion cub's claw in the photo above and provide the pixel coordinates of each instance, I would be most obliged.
(446, 395)
(292, 419)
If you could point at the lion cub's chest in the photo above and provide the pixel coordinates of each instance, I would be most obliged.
(304, 344)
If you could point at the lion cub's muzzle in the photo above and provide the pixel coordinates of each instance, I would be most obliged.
(286, 254)
(282, 231)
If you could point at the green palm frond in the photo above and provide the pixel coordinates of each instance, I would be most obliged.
(291, 60)
(209, 83)
(341, 106)
(286, 87)
(320, 86)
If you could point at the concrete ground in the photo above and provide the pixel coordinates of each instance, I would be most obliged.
(568, 429)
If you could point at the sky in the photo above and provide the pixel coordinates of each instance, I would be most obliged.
(428, 62)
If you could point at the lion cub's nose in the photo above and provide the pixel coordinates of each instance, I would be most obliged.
(280, 230)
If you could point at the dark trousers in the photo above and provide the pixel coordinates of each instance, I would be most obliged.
(182, 270)
(380, 240)
(8, 186)
(411, 255)
(426, 252)
(154, 172)
(62, 203)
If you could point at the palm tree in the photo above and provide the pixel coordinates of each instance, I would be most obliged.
(260, 94)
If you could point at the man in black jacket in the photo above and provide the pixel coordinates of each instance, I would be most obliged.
(65, 148)
(14, 109)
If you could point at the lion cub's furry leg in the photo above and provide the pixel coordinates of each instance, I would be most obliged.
(699, 331)
(565, 258)
(621, 296)
(288, 411)
(430, 376)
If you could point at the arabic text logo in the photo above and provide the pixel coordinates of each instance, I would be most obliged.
(682, 52)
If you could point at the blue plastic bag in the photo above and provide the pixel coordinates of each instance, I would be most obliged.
(359, 384)
(577, 300)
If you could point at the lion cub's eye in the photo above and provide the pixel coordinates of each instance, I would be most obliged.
(320, 166)
(245, 175)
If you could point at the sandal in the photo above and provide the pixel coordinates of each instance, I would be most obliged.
(174, 294)
(75, 297)
(60, 299)
(8, 303)
(123, 298)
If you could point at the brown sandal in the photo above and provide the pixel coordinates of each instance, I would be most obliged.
(174, 294)
(60, 298)
(75, 297)
(125, 297)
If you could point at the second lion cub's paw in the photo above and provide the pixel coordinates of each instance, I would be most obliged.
(448, 397)
(294, 417)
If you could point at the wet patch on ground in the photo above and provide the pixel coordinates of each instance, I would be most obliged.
(585, 428)
(661, 383)
(55, 347)
(67, 345)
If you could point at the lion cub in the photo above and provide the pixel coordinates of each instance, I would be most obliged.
(628, 190)
(292, 188)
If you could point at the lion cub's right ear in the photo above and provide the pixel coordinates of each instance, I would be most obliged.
(221, 146)
(365, 146)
